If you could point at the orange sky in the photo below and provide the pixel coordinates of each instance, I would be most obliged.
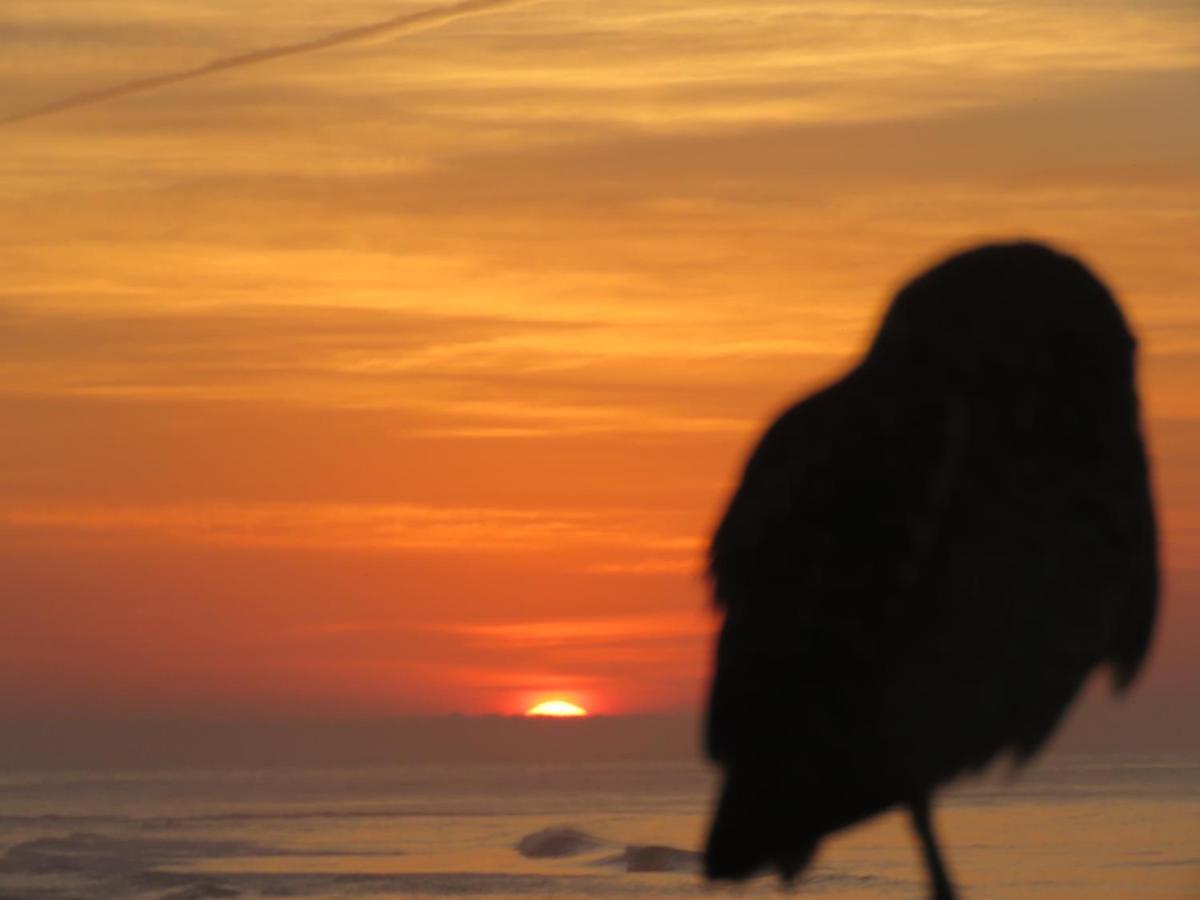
(410, 375)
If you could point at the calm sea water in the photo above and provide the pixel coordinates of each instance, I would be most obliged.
(1072, 827)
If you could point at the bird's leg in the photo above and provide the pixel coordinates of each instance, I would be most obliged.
(793, 860)
(942, 888)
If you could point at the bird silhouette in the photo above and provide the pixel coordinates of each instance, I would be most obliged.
(924, 561)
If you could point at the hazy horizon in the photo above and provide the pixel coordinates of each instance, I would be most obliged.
(1100, 725)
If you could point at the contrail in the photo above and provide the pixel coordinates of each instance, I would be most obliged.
(398, 25)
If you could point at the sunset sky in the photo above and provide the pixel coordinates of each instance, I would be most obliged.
(409, 375)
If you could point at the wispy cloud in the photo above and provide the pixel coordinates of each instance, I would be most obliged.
(396, 25)
(541, 632)
(463, 375)
(507, 308)
(607, 628)
(398, 526)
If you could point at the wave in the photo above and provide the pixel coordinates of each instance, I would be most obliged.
(98, 853)
(126, 866)
(99, 865)
(562, 841)
(157, 822)
(557, 842)
(653, 858)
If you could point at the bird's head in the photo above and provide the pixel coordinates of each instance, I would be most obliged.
(1018, 310)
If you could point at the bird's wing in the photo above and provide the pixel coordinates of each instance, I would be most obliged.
(813, 554)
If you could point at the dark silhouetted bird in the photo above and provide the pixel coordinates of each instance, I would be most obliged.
(924, 561)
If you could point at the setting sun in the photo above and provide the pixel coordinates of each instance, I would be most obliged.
(557, 709)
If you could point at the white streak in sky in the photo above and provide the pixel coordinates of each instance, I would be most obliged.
(404, 24)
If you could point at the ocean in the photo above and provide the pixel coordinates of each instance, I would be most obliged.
(1079, 827)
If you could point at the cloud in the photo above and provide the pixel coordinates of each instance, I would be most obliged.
(396, 25)
(663, 629)
(653, 626)
(462, 375)
(361, 526)
(528, 288)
